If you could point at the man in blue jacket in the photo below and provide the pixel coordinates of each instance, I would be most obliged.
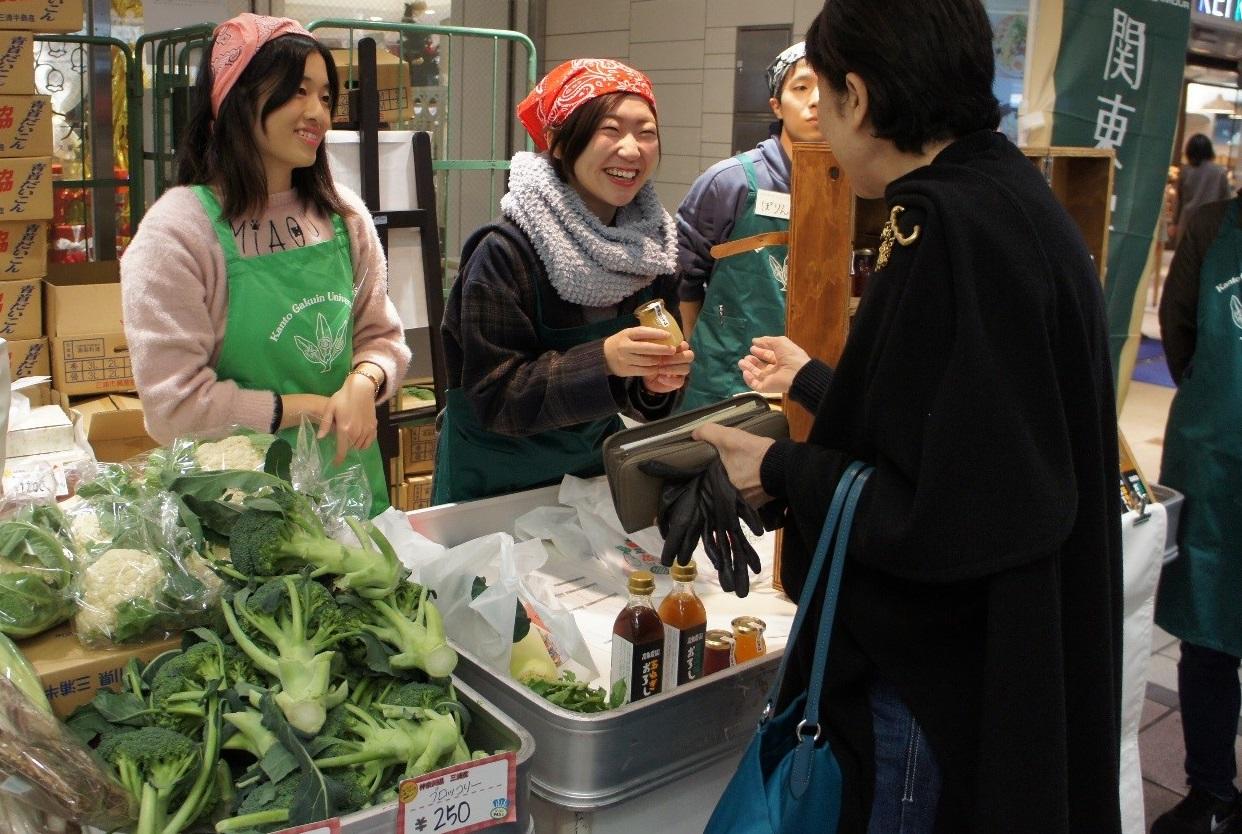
(727, 302)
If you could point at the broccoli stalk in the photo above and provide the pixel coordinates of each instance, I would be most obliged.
(299, 620)
(152, 764)
(412, 625)
(251, 736)
(264, 543)
(263, 807)
(416, 744)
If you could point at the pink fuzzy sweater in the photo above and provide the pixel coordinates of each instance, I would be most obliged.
(175, 295)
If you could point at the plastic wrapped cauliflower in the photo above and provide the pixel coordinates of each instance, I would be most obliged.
(128, 594)
(238, 451)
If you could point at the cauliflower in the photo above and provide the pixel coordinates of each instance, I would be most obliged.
(120, 582)
(86, 529)
(239, 451)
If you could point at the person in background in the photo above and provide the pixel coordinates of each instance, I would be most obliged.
(745, 195)
(1201, 325)
(256, 292)
(542, 345)
(973, 683)
(1199, 181)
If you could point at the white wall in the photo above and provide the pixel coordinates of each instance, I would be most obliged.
(687, 48)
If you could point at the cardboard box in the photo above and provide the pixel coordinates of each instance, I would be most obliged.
(418, 448)
(17, 62)
(419, 491)
(114, 427)
(387, 70)
(82, 313)
(25, 125)
(21, 309)
(45, 429)
(29, 357)
(71, 673)
(23, 250)
(42, 15)
(26, 188)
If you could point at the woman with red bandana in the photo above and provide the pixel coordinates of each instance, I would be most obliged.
(542, 345)
(256, 291)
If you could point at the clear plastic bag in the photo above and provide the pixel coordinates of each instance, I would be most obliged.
(37, 569)
(345, 493)
(484, 625)
(47, 776)
(147, 581)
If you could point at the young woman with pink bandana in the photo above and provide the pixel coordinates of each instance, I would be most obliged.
(255, 292)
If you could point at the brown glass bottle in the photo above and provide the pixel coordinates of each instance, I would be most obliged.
(685, 626)
(638, 642)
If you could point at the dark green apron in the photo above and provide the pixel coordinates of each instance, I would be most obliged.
(745, 298)
(1200, 598)
(473, 462)
(290, 327)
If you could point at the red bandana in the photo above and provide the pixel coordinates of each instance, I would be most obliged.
(237, 40)
(573, 84)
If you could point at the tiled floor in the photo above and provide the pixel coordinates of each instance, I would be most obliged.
(1142, 422)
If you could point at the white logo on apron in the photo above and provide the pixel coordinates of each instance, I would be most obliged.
(780, 271)
(1235, 307)
(326, 347)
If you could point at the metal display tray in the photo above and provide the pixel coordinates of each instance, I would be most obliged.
(587, 762)
(1172, 500)
(491, 730)
(591, 761)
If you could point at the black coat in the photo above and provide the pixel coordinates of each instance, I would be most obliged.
(984, 575)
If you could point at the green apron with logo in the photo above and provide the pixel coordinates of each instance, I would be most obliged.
(1200, 597)
(745, 298)
(473, 462)
(290, 327)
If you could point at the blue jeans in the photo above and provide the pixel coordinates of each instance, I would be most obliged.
(1207, 688)
(907, 777)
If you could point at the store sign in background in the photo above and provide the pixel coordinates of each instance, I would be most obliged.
(1226, 9)
(1118, 82)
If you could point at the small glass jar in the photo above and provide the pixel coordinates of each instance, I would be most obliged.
(717, 651)
(653, 314)
(748, 642)
(862, 263)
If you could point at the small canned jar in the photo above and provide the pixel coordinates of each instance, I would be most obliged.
(653, 314)
(717, 651)
(862, 263)
(748, 640)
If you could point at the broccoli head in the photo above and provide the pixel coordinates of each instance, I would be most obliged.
(288, 627)
(156, 765)
(264, 543)
(180, 687)
(266, 808)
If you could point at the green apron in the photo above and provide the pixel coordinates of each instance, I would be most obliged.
(290, 327)
(473, 462)
(1200, 597)
(745, 298)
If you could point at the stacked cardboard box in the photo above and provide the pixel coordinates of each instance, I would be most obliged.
(26, 177)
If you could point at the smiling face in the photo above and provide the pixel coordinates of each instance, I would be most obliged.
(798, 105)
(290, 136)
(619, 158)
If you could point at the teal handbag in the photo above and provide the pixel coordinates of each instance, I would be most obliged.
(788, 780)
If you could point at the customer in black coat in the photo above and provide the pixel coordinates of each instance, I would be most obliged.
(983, 590)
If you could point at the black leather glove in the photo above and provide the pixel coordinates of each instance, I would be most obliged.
(728, 539)
(680, 516)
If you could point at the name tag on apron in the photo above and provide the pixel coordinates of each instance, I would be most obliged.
(772, 204)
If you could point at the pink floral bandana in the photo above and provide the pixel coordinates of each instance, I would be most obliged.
(236, 42)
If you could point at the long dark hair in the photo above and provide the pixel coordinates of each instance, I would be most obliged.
(221, 151)
(572, 137)
(928, 65)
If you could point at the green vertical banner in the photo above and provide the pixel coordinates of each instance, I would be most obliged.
(1118, 84)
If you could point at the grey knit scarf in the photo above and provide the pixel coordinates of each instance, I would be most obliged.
(587, 262)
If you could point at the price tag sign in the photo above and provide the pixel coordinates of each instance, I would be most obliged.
(332, 826)
(466, 797)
